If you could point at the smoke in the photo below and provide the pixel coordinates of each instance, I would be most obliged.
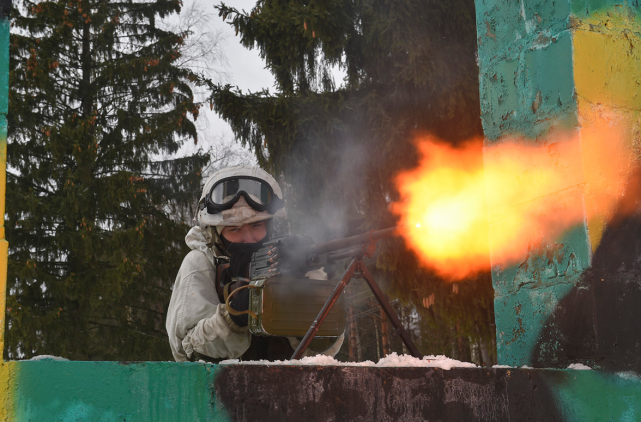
(324, 207)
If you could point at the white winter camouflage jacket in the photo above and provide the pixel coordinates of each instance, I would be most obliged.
(197, 321)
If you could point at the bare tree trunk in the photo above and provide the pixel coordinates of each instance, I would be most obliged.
(404, 322)
(459, 341)
(493, 352)
(359, 348)
(384, 333)
(378, 340)
(485, 353)
(352, 334)
(453, 342)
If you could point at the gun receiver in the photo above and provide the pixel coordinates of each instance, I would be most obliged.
(317, 255)
(297, 256)
(317, 251)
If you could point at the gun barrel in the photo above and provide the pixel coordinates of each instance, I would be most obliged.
(361, 239)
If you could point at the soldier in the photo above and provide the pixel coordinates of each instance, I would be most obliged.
(235, 217)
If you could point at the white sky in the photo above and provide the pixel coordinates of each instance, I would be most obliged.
(245, 70)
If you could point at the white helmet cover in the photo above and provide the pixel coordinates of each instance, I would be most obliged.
(241, 213)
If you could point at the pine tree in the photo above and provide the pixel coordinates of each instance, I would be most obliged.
(97, 107)
(410, 69)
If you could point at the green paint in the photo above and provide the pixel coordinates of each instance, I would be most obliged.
(506, 28)
(522, 317)
(526, 295)
(4, 65)
(167, 391)
(584, 8)
(596, 396)
(548, 78)
(546, 265)
(527, 88)
(113, 391)
(525, 60)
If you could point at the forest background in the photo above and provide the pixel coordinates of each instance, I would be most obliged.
(106, 157)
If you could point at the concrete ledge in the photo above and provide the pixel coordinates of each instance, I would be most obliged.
(285, 393)
(166, 391)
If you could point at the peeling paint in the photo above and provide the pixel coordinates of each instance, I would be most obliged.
(574, 64)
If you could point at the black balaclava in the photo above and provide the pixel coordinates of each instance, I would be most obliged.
(241, 253)
(240, 256)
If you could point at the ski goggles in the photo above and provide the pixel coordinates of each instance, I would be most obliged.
(226, 192)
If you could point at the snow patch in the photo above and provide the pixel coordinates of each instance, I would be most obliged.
(501, 366)
(392, 360)
(579, 366)
(50, 357)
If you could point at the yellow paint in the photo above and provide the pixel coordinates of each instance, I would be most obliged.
(8, 372)
(4, 256)
(607, 152)
(607, 64)
(607, 77)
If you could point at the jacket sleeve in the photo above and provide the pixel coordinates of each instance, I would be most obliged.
(196, 320)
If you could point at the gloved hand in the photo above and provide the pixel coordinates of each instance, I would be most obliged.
(239, 302)
(241, 254)
(290, 254)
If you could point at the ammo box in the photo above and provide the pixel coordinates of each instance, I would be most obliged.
(288, 306)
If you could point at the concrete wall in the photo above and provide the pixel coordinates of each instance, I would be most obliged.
(5, 8)
(162, 391)
(572, 65)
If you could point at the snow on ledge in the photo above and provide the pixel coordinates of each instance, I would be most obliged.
(392, 360)
(579, 366)
(50, 357)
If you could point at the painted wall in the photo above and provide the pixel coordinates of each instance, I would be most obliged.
(163, 391)
(547, 66)
(5, 8)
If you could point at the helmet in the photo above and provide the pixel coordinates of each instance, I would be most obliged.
(239, 195)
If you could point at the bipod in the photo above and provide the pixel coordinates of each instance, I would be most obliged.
(357, 268)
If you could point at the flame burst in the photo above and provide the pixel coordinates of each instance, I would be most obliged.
(459, 212)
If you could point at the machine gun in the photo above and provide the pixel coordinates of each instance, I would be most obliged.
(282, 304)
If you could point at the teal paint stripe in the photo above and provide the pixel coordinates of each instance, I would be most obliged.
(112, 391)
(507, 28)
(520, 321)
(584, 8)
(525, 67)
(527, 294)
(586, 396)
(167, 391)
(4, 65)
(527, 95)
